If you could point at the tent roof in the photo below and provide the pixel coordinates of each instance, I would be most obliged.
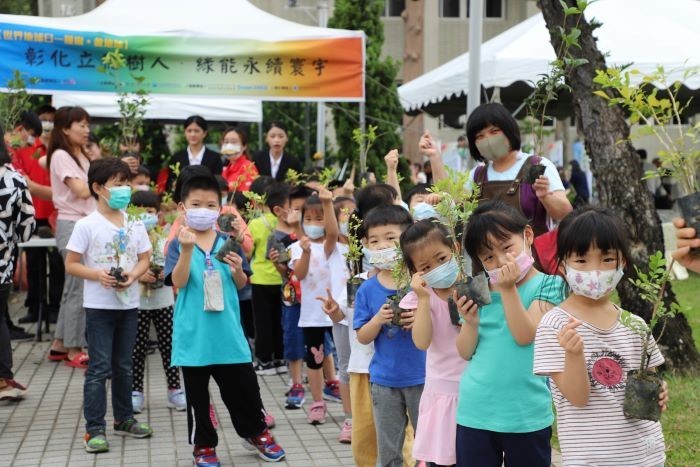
(646, 32)
(166, 107)
(237, 19)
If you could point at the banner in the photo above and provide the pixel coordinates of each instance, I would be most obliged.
(329, 69)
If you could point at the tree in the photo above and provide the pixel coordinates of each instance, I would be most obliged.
(615, 165)
(383, 108)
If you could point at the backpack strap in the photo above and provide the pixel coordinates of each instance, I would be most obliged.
(480, 174)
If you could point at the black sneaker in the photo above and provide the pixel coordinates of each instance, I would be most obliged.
(265, 369)
(19, 334)
(28, 318)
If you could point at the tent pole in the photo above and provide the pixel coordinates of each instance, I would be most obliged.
(321, 106)
(476, 20)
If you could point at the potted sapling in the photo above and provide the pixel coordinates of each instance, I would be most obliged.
(402, 278)
(662, 117)
(644, 385)
(158, 239)
(455, 206)
(533, 172)
(121, 240)
(354, 260)
(225, 223)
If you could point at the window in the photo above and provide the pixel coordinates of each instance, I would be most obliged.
(394, 7)
(449, 8)
(494, 9)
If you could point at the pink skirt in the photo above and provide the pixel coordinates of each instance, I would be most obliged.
(436, 435)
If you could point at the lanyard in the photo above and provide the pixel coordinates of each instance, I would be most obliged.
(210, 265)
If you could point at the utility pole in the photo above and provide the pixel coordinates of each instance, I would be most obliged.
(321, 106)
(476, 21)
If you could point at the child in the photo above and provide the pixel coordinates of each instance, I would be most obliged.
(104, 240)
(427, 250)
(418, 205)
(587, 351)
(267, 283)
(156, 305)
(142, 179)
(208, 339)
(504, 410)
(397, 370)
(311, 261)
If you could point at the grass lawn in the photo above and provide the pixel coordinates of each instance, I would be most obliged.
(681, 423)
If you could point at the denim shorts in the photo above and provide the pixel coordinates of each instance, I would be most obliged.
(293, 335)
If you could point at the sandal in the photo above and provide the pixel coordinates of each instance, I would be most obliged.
(56, 356)
(79, 361)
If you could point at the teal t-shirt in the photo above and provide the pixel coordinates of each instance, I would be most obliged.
(202, 338)
(498, 391)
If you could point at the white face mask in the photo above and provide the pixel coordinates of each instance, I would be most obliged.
(593, 284)
(385, 258)
(230, 149)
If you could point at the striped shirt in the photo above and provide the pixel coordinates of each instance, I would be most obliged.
(599, 434)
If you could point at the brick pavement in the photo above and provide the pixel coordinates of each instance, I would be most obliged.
(46, 428)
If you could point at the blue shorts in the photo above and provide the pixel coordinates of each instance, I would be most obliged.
(293, 335)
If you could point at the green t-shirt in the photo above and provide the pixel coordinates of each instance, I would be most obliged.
(264, 271)
(498, 391)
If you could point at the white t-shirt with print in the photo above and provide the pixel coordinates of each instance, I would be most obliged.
(317, 280)
(340, 274)
(95, 238)
(360, 354)
(599, 434)
(555, 183)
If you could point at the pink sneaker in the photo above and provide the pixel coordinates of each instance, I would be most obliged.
(212, 416)
(317, 413)
(346, 432)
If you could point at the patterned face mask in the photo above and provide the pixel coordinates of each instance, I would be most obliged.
(593, 284)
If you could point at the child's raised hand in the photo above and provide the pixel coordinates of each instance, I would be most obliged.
(427, 145)
(418, 285)
(331, 307)
(686, 239)
(349, 187)
(467, 309)
(663, 396)
(392, 160)
(325, 195)
(509, 273)
(107, 280)
(385, 314)
(432, 198)
(407, 319)
(234, 261)
(186, 237)
(569, 339)
(305, 244)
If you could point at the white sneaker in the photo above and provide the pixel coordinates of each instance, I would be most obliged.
(137, 401)
(176, 400)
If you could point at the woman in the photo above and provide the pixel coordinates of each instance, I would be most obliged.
(16, 226)
(240, 170)
(274, 162)
(580, 183)
(68, 166)
(197, 153)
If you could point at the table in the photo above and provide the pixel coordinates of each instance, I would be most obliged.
(42, 315)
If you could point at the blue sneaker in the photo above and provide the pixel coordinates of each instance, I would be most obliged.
(331, 391)
(205, 457)
(295, 397)
(266, 446)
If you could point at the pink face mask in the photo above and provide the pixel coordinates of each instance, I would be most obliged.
(524, 262)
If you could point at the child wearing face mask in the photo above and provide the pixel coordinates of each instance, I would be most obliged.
(504, 410)
(208, 339)
(587, 350)
(427, 250)
(156, 305)
(312, 259)
(102, 241)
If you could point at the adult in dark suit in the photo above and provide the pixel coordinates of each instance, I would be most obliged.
(274, 162)
(196, 153)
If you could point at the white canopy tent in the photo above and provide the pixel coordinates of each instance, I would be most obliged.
(646, 33)
(163, 107)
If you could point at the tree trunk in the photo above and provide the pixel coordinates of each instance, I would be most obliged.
(618, 175)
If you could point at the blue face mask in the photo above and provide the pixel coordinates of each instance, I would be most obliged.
(149, 220)
(443, 276)
(343, 228)
(314, 232)
(423, 211)
(119, 197)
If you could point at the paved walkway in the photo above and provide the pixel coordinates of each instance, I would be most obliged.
(46, 428)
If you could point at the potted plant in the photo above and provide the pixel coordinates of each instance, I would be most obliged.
(158, 238)
(354, 259)
(643, 385)
(661, 116)
(253, 210)
(455, 207)
(121, 240)
(12, 103)
(402, 278)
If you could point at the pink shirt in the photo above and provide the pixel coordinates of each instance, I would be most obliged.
(70, 207)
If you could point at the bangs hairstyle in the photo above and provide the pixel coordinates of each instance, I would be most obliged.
(187, 173)
(420, 189)
(591, 227)
(373, 196)
(103, 170)
(312, 203)
(242, 135)
(62, 120)
(203, 182)
(339, 203)
(419, 233)
(496, 115)
(386, 215)
(262, 184)
(277, 195)
(300, 192)
(491, 219)
(145, 199)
